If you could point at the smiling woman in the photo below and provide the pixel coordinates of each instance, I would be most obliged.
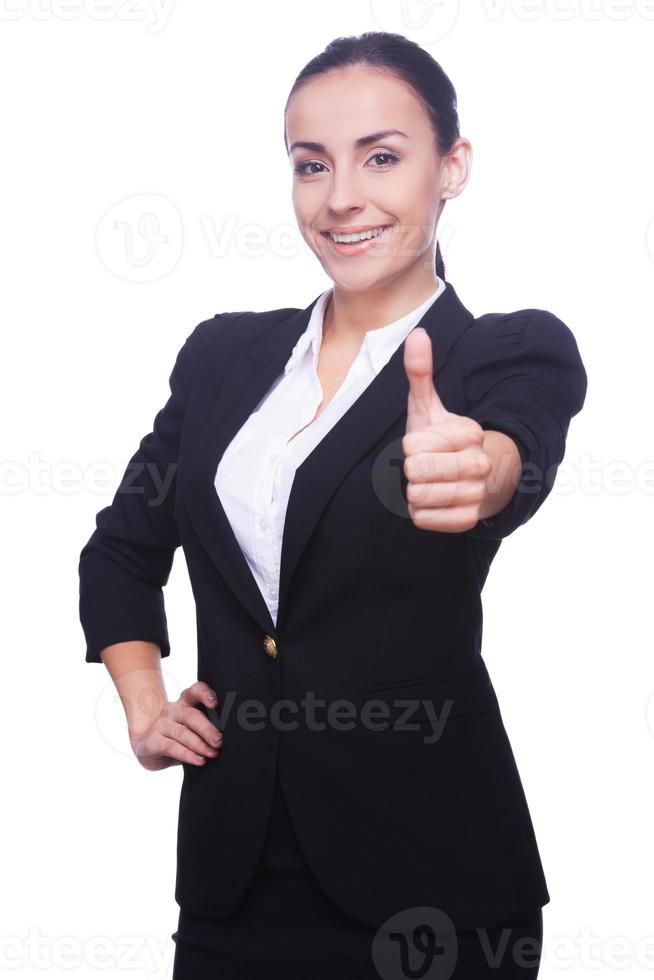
(372, 133)
(343, 477)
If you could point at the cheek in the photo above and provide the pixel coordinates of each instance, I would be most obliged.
(415, 193)
(307, 203)
(300, 197)
(297, 199)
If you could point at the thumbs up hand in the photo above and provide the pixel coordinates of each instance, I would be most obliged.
(445, 464)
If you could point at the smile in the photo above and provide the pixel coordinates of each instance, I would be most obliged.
(360, 236)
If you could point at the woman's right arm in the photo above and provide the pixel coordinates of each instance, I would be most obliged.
(135, 669)
(123, 568)
(162, 733)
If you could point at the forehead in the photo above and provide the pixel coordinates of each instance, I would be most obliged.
(345, 103)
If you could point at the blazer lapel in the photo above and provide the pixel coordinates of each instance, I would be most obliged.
(378, 407)
(246, 382)
(316, 479)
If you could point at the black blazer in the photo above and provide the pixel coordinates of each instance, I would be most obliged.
(371, 608)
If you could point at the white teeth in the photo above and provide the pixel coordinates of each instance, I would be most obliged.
(358, 237)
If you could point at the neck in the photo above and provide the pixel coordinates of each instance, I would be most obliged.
(349, 314)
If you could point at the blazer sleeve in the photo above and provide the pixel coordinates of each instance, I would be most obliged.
(127, 560)
(525, 377)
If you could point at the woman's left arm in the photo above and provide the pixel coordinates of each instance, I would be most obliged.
(524, 380)
(504, 474)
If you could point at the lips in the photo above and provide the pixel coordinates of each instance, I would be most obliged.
(353, 229)
(360, 246)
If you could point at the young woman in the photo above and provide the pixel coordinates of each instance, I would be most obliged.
(340, 478)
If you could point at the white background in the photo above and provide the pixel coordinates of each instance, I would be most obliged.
(106, 104)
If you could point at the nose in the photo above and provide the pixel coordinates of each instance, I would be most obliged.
(345, 192)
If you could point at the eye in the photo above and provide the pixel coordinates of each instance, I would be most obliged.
(308, 163)
(392, 157)
(301, 170)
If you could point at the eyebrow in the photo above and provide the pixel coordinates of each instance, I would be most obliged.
(358, 144)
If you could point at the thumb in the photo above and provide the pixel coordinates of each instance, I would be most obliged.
(424, 406)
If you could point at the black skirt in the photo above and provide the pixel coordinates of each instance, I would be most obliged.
(286, 926)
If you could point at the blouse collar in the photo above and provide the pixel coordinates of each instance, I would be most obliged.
(379, 343)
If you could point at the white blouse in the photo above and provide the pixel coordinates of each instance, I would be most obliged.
(255, 474)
